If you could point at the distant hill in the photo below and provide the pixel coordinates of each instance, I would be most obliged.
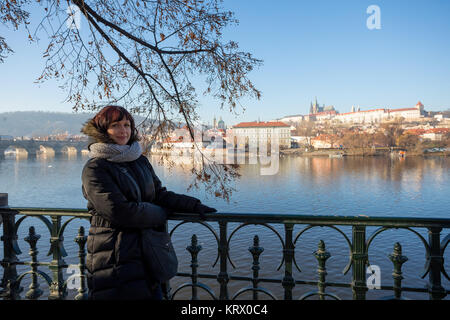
(39, 123)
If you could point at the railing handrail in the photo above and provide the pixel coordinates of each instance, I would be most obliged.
(419, 222)
(358, 244)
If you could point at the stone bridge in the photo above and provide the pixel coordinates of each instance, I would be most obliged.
(33, 146)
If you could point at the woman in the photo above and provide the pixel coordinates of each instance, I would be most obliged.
(119, 210)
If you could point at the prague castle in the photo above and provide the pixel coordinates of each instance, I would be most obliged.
(323, 113)
(379, 115)
(315, 108)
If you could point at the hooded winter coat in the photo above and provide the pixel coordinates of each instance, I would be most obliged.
(114, 260)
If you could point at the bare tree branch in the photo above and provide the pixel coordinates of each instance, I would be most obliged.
(113, 60)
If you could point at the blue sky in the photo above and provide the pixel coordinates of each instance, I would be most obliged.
(310, 48)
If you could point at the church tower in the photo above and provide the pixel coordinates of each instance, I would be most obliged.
(221, 124)
(314, 107)
(419, 106)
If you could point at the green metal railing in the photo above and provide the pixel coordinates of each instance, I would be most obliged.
(281, 225)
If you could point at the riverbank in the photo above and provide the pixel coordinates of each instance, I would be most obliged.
(362, 152)
(332, 153)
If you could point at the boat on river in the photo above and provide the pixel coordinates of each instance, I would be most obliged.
(335, 155)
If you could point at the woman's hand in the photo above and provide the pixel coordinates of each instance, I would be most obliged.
(202, 209)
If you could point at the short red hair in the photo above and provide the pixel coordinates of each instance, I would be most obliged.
(110, 114)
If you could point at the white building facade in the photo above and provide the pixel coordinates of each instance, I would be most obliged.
(260, 133)
(377, 115)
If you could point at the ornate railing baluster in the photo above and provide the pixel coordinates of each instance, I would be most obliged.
(10, 251)
(398, 260)
(223, 277)
(32, 239)
(256, 251)
(322, 256)
(288, 253)
(359, 260)
(57, 287)
(81, 241)
(435, 288)
(194, 250)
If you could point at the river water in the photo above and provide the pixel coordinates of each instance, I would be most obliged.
(349, 186)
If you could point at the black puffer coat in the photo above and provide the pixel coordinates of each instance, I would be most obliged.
(114, 260)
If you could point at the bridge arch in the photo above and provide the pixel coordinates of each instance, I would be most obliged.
(69, 150)
(13, 152)
(45, 152)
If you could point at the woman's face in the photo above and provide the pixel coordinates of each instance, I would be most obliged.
(120, 131)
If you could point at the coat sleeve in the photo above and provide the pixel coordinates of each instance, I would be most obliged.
(111, 204)
(174, 201)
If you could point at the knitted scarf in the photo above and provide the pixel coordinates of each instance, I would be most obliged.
(114, 152)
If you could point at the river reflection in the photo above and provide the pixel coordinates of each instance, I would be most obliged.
(302, 184)
(349, 186)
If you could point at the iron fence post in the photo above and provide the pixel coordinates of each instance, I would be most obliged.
(81, 241)
(359, 260)
(10, 250)
(256, 251)
(57, 288)
(288, 252)
(35, 292)
(398, 259)
(165, 286)
(223, 278)
(322, 255)
(435, 289)
(194, 250)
